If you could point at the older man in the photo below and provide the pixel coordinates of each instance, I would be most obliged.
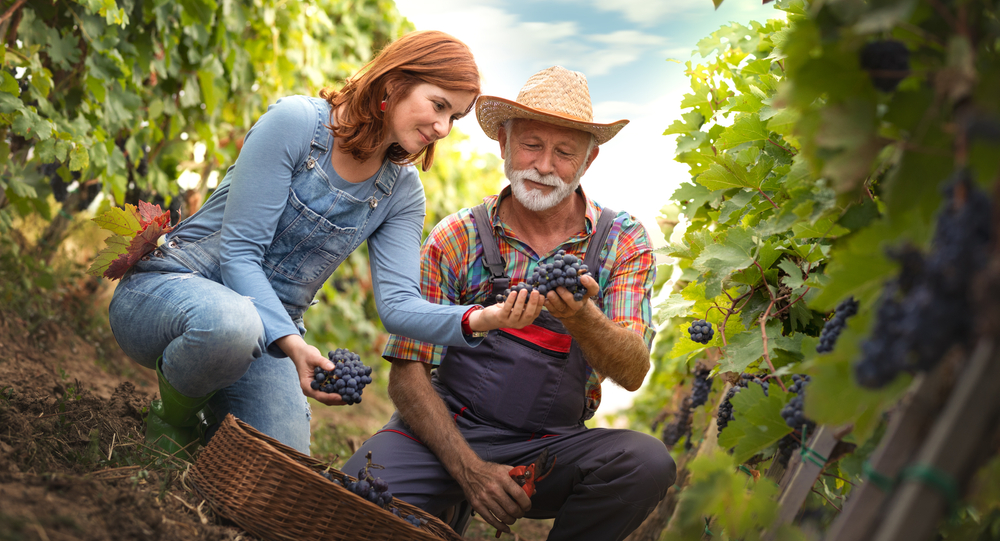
(460, 429)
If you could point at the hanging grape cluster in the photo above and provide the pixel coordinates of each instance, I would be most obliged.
(565, 270)
(832, 329)
(681, 425)
(928, 308)
(348, 378)
(725, 413)
(793, 415)
(701, 331)
(887, 63)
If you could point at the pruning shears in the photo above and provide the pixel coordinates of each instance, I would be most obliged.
(527, 476)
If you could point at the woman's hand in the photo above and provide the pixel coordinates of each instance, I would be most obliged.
(306, 358)
(517, 312)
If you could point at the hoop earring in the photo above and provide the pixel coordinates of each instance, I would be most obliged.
(382, 106)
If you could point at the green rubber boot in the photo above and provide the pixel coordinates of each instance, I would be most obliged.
(173, 424)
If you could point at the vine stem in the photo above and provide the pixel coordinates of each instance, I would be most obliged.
(786, 149)
(730, 311)
(10, 11)
(763, 320)
(828, 500)
(838, 477)
(763, 333)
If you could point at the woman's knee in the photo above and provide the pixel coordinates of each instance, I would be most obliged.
(232, 326)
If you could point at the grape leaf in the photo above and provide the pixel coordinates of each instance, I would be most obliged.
(749, 128)
(675, 305)
(115, 246)
(758, 423)
(150, 214)
(136, 229)
(120, 221)
(824, 228)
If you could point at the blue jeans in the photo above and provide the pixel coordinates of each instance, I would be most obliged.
(211, 339)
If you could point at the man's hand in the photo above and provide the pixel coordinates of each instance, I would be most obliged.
(306, 358)
(561, 304)
(517, 312)
(493, 494)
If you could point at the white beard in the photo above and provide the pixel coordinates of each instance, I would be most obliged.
(534, 199)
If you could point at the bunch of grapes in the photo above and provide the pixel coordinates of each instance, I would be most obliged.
(832, 329)
(374, 489)
(928, 308)
(348, 378)
(565, 270)
(793, 416)
(792, 412)
(725, 413)
(887, 63)
(681, 426)
(701, 331)
(701, 387)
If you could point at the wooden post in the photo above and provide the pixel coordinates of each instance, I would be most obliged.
(908, 427)
(952, 450)
(804, 475)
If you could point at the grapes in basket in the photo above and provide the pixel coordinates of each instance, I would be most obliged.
(374, 489)
(348, 378)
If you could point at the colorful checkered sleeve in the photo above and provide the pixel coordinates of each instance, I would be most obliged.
(443, 271)
(627, 280)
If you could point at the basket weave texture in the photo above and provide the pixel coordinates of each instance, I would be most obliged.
(277, 493)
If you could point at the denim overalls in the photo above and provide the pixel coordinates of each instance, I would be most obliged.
(515, 394)
(173, 302)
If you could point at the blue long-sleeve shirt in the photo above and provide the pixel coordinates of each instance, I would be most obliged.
(286, 220)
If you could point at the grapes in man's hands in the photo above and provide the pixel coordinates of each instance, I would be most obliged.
(348, 378)
(565, 270)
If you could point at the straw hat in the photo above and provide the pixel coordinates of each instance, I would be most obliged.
(554, 95)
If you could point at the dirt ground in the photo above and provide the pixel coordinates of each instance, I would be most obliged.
(72, 465)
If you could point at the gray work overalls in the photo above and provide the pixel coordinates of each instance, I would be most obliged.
(516, 393)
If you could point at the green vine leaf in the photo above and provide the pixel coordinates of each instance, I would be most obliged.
(758, 423)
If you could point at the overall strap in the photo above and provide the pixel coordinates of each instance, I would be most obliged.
(599, 239)
(491, 252)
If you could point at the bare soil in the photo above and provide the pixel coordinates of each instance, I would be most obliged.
(72, 460)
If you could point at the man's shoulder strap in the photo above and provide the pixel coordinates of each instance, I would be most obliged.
(498, 267)
(599, 238)
(491, 251)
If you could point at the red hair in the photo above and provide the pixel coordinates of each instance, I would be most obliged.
(429, 56)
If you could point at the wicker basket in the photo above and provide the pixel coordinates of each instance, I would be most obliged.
(276, 492)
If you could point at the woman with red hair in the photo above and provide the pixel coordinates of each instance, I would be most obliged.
(217, 309)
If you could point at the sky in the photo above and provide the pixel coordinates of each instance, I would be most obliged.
(624, 48)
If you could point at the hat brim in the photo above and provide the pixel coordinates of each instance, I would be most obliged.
(492, 112)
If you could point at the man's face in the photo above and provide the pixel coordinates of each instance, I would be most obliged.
(544, 162)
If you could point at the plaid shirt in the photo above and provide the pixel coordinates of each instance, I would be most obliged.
(452, 272)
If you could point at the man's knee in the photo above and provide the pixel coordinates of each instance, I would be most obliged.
(655, 463)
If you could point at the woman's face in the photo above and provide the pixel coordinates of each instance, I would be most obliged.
(426, 115)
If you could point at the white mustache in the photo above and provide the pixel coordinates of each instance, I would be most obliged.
(532, 175)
